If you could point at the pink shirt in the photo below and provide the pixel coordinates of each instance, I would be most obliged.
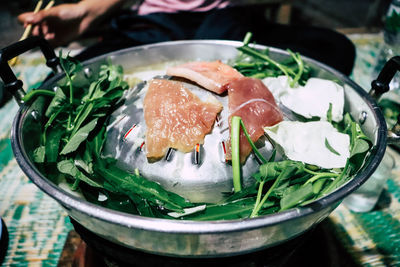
(172, 6)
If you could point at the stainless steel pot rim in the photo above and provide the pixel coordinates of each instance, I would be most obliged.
(71, 202)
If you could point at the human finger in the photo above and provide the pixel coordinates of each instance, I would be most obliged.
(49, 36)
(44, 28)
(35, 30)
(38, 17)
(26, 18)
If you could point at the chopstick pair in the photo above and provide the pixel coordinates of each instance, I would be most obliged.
(28, 29)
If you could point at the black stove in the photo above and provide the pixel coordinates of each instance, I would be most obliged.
(317, 247)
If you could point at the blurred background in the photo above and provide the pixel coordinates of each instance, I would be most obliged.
(356, 16)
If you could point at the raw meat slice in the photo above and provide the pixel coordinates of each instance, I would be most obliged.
(211, 75)
(175, 117)
(251, 100)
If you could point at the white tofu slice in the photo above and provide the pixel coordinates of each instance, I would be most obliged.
(311, 100)
(316, 142)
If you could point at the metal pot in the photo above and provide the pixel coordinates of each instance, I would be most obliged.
(191, 238)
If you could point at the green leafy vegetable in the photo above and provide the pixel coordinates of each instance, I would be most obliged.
(292, 183)
(75, 131)
(58, 100)
(80, 136)
(258, 64)
(31, 95)
(54, 136)
(330, 148)
(122, 182)
(39, 154)
(68, 167)
(296, 195)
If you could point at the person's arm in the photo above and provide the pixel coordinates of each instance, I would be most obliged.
(66, 22)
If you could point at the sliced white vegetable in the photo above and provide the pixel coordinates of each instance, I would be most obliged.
(187, 211)
(317, 142)
(311, 100)
(277, 85)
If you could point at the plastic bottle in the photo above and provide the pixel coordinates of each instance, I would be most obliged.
(366, 197)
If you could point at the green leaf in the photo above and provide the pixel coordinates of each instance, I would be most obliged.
(58, 100)
(329, 113)
(114, 94)
(318, 185)
(237, 209)
(53, 140)
(82, 116)
(90, 91)
(271, 170)
(96, 144)
(85, 163)
(330, 148)
(80, 136)
(113, 72)
(287, 172)
(68, 167)
(360, 146)
(39, 154)
(126, 183)
(296, 196)
(244, 193)
(69, 64)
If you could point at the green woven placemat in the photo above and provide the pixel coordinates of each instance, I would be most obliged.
(37, 224)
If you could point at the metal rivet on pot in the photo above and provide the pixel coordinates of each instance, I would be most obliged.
(88, 72)
(362, 117)
(35, 115)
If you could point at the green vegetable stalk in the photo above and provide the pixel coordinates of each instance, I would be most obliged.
(235, 139)
(236, 125)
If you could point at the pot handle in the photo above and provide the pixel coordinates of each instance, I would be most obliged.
(11, 83)
(381, 86)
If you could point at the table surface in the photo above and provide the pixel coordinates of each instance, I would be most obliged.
(38, 226)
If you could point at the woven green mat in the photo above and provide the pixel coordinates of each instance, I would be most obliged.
(38, 226)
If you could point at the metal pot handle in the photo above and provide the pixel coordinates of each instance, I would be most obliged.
(381, 86)
(11, 83)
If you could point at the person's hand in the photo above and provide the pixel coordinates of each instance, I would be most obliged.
(64, 23)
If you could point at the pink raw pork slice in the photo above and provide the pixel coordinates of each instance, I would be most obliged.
(175, 117)
(251, 100)
(211, 75)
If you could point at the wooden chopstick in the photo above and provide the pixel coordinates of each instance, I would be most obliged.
(28, 28)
